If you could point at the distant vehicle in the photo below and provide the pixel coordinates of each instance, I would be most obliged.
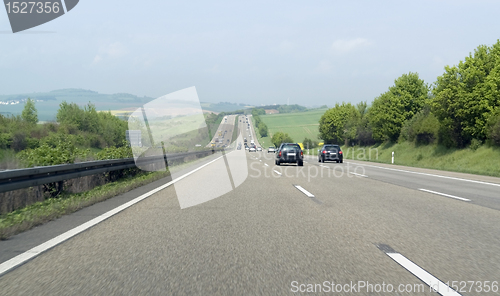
(246, 147)
(252, 149)
(239, 148)
(330, 152)
(197, 145)
(271, 149)
(259, 148)
(245, 140)
(289, 153)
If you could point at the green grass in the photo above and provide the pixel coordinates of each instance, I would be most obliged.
(298, 125)
(483, 161)
(53, 208)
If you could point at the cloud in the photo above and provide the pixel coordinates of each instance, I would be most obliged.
(345, 46)
(111, 51)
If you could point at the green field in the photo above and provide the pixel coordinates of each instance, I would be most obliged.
(298, 125)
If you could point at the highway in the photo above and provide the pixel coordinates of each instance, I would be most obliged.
(224, 132)
(282, 230)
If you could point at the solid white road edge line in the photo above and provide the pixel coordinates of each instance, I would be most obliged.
(444, 194)
(266, 164)
(426, 174)
(423, 275)
(26, 256)
(358, 175)
(304, 191)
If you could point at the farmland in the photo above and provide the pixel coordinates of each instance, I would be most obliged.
(298, 125)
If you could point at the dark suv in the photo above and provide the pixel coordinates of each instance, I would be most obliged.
(330, 152)
(289, 153)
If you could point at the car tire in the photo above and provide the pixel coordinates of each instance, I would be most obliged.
(278, 163)
(300, 163)
(341, 161)
(319, 159)
(322, 159)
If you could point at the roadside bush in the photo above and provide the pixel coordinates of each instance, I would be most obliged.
(19, 141)
(423, 128)
(365, 136)
(124, 151)
(263, 129)
(475, 144)
(32, 143)
(494, 128)
(68, 128)
(64, 152)
(53, 139)
(5, 140)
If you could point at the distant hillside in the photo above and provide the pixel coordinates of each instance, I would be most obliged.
(47, 103)
(223, 106)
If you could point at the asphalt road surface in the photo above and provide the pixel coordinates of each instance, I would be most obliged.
(224, 132)
(362, 227)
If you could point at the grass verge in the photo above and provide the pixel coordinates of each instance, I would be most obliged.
(482, 161)
(53, 208)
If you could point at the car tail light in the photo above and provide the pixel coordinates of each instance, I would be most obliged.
(301, 153)
(340, 152)
(324, 151)
(279, 154)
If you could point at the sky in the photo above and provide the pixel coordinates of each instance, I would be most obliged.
(253, 52)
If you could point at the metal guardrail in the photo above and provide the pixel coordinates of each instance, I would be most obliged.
(24, 178)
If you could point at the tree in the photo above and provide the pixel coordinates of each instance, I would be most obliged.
(279, 138)
(364, 135)
(467, 94)
(494, 127)
(30, 114)
(263, 129)
(338, 124)
(392, 108)
(309, 144)
(423, 128)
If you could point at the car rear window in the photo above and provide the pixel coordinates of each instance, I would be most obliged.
(291, 146)
(332, 147)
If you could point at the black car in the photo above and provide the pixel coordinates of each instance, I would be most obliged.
(289, 153)
(330, 152)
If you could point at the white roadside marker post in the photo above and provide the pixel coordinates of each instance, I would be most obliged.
(392, 157)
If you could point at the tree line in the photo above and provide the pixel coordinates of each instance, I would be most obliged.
(461, 108)
(261, 126)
